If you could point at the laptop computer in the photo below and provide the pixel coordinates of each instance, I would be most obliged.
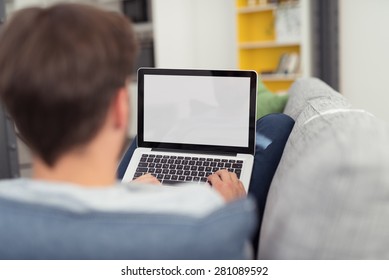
(192, 123)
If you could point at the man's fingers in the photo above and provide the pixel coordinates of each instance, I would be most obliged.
(224, 175)
(234, 178)
(227, 184)
(148, 179)
(214, 179)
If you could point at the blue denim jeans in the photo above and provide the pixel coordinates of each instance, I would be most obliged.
(272, 132)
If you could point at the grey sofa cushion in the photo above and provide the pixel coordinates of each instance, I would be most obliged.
(330, 195)
(307, 90)
(29, 231)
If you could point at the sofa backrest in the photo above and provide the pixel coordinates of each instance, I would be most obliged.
(30, 231)
(329, 198)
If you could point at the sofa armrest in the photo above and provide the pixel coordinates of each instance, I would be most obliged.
(307, 89)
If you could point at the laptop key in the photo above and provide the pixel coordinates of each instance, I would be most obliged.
(171, 182)
(141, 169)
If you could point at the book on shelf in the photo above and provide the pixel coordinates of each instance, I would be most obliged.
(288, 23)
(288, 63)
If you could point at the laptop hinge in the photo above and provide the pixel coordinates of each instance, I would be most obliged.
(215, 153)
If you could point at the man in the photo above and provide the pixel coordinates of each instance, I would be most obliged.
(64, 75)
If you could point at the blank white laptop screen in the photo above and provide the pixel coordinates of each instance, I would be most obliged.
(206, 110)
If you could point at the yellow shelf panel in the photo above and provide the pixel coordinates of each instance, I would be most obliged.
(278, 86)
(279, 77)
(241, 3)
(254, 27)
(263, 59)
(257, 8)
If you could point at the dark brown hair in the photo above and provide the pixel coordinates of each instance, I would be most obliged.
(60, 68)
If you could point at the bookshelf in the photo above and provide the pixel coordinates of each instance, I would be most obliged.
(270, 33)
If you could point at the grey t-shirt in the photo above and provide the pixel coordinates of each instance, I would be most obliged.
(192, 200)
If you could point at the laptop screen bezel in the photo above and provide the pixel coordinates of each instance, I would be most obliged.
(250, 149)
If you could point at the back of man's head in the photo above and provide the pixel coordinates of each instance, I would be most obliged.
(60, 69)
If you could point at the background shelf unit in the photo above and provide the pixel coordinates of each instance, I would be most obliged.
(259, 47)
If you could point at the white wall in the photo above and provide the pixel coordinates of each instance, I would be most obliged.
(195, 33)
(364, 54)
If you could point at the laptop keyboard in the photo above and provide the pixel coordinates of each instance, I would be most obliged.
(178, 169)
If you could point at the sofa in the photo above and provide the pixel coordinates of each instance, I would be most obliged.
(329, 198)
(31, 231)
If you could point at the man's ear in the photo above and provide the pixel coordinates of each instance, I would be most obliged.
(120, 109)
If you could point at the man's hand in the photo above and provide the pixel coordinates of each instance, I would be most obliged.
(147, 179)
(227, 184)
